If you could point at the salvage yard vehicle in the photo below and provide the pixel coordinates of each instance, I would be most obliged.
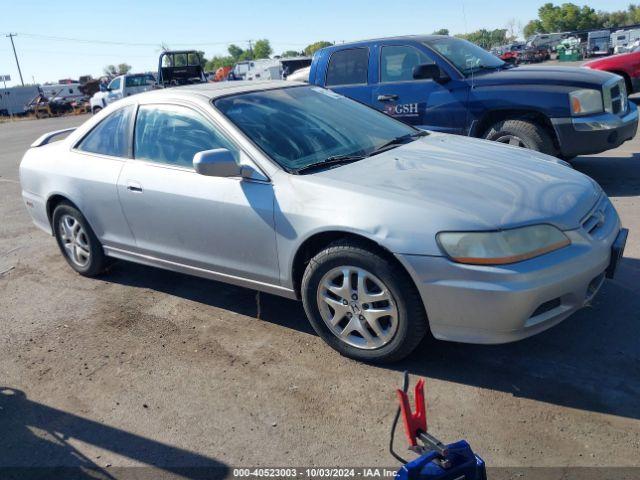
(180, 67)
(448, 84)
(627, 65)
(382, 230)
(121, 87)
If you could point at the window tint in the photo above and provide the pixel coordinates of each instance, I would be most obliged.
(397, 63)
(111, 135)
(348, 67)
(115, 84)
(172, 135)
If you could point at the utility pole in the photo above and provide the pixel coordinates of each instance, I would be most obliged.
(11, 35)
(251, 49)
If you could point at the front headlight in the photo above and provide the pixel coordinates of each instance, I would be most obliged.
(501, 247)
(586, 101)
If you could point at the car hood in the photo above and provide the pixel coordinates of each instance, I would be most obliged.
(567, 76)
(457, 182)
(619, 59)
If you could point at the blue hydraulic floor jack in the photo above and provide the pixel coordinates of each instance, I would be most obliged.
(437, 461)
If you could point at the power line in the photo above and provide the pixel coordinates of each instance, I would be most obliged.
(11, 35)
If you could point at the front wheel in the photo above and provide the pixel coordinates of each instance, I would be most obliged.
(79, 245)
(522, 133)
(362, 304)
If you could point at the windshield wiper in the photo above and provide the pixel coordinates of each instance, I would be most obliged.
(349, 158)
(334, 160)
(397, 141)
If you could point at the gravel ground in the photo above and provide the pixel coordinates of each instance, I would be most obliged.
(147, 367)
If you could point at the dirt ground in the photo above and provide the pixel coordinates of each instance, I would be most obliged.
(152, 368)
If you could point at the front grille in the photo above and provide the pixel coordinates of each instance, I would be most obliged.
(597, 217)
(615, 96)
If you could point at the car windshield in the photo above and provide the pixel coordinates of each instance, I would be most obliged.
(301, 126)
(465, 56)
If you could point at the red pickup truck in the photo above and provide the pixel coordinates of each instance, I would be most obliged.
(627, 65)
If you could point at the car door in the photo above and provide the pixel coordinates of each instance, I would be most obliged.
(115, 90)
(220, 224)
(425, 103)
(95, 163)
(348, 73)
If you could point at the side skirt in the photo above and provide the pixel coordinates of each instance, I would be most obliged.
(199, 272)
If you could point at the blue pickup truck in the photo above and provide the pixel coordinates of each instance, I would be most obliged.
(450, 85)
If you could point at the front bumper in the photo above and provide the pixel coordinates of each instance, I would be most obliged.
(499, 304)
(595, 133)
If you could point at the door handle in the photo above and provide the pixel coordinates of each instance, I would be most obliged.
(134, 187)
(387, 98)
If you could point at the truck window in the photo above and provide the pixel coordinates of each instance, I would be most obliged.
(397, 62)
(348, 67)
(115, 84)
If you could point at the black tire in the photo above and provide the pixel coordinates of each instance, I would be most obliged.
(412, 324)
(96, 110)
(97, 261)
(531, 135)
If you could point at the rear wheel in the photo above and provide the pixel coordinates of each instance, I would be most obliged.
(79, 245)
(522, 133)
(362, 304)
(96, 109)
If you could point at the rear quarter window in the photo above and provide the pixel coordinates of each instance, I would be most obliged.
(348, 67)
(112, 136)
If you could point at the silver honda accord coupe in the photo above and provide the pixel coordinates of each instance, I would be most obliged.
(383, 231)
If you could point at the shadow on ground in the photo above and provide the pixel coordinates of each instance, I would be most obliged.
(591, 361)
(37, 443)
(618, 176)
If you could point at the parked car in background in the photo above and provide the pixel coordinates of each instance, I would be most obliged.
(382, 230)
(450, 85)
(534, 55)
(627, 65)
(121, 87)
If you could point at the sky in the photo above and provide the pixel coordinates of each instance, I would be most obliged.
(67, 39)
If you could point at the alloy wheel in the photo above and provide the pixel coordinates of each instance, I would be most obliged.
(357, 307)
(74, 240)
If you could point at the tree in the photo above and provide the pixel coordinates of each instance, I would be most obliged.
(114, 71)
(217, 61)
(235, 51)
(262, 49)
(311, 49)
(486, 38)
(566, 17)
(442, 31)
(290, 53)
(514, 27)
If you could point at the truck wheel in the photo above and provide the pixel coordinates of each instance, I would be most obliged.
(362, 304)
(522, 133)
(96, 109)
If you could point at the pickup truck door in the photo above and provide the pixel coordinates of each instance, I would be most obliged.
(115, 89)
(348, 74)
(222, 225)
(428, 104)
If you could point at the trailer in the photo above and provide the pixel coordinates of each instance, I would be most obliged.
(15, 100)
(598, 42)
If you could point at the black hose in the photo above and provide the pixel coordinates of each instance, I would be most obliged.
(405, 387)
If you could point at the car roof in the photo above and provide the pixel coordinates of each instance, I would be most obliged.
(213, 90)
(400, 38)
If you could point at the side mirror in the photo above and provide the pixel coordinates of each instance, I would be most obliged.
(428, 71)
(218, 162)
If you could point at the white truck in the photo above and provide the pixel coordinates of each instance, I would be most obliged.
(120, 87)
